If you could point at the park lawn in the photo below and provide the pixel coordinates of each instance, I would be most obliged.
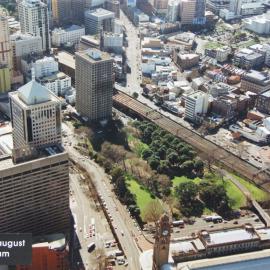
(258, 194)
(183, 179)
(235, 194)
(143, 197)
(136, 145)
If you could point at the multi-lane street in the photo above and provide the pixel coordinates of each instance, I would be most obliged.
(122, 223)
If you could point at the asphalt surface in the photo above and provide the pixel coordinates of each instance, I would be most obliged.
(123, 224)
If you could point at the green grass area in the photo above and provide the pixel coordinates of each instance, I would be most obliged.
(213, 45)
(183, 179)
(236, 196)
(258, 194)
(136, 145)
(143, 196)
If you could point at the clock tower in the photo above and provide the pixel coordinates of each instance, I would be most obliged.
(162, 242)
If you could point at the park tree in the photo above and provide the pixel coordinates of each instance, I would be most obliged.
(116, 173)
(215, 197)
(173, 158)
(187, 191)
(153, 162)
(187, 166)
(199, 167)
(135, 95)
(115, 153)
(147, 153)
(187, 194)
(153, 211)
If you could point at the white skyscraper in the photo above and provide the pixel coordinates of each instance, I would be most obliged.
(33, 15)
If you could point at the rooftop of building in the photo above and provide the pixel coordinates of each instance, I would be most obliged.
(52, 241)
(71, 28)
(248, 261)
(66, 59)
(20, 36)
(94, 55)
(33, 3)
(100, 12)
(188, 56)
(53, 77)
(213, 238)
(258, 76)
(266, 94)
(195, 95)
(91, 39)
(263, 18)
(26, 156)
(33, 93)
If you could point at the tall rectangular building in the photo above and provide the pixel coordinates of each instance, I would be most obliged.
(36, 116)
(94, 84)
(34, 194)
(33, 16)
(5, 56)
(34, 176)
(98, 20)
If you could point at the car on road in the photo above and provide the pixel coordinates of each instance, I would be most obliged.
(91, 247)
(80, 229)
(122, 233)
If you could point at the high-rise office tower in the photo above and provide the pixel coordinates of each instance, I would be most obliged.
(192, 12)
(94, 84)
(160, 4)
(36, 116)
(113, 6)
(97, 20)
(62, 13)
(5, 55)
(77, 11)
(33, 16)
(34, 177)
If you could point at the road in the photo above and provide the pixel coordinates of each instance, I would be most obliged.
(133, 55)
(123, 224)
(84, 212)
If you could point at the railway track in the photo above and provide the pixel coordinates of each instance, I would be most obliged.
(203, 145)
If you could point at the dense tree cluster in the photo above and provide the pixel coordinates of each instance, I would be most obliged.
(167, 154)
(193, 198)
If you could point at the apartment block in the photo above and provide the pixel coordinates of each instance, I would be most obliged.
(196, 105)
(23, 45)
(263, 102)
(256, 81)
(33, 15)
(94, 84)
(69, 36)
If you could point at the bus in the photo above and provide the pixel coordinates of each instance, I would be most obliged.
(178, 223)
(91, 247)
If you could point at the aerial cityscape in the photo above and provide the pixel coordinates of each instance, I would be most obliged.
(135, 134)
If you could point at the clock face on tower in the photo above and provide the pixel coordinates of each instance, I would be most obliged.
(165, 233)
